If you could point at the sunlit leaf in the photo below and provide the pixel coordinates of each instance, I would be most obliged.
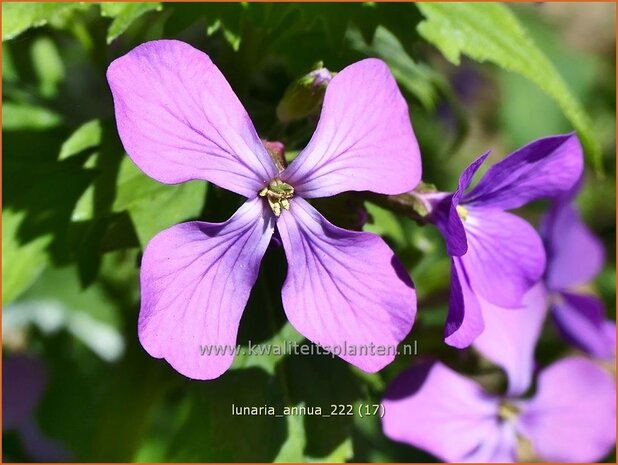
(19, 16)
(86, 136)
(154, 206)
(491, 32)
(21, 262)
(25, 116)
(124, 14)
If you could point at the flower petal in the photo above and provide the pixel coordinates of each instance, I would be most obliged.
(581, 320)
(179, 119)
(505, 256)
(364, 139)
(196, 279)
(546, 167)
(575, 254)
(446, 217)
(464, 322)
(436, 409)
(345, 290)
(572, 417)
(510, 337)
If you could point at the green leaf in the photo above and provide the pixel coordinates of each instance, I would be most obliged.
(19, 16)
(47, 65)
(491, 32)
(17, 116)
(86, 136)
(21, 263)
(420, 80)
(124, 14)
(154, 206)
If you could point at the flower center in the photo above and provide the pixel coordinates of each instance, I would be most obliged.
(462, 212)
(507, 411)
(278, 195)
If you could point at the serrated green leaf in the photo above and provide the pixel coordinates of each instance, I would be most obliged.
(86, 136)
(491, 32)
(16, 116)
(124, 14)
(21, 263)
(19, 16)
(154, 206)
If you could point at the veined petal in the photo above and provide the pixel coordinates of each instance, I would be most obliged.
(344, 290)
(464, 322)
(364, 139)
(572, 417)
(575, 254)
(436, 409)
(195, 282)
(547, 167)
(179, 119)
(581, 320)
(505, 256)
(510, 337)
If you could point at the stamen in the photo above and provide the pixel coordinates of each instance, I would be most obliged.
(278, 195)
(462, 212)
(508, 411)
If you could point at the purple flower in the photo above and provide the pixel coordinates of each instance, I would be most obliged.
(23, 384)
(179, 119)
(498, 257)
(574, 257)
(570, 418)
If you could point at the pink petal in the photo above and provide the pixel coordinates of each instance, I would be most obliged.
(505, 256)
(179, 119)
(364, 139)
(344, 289)
(436, 409)
(510, 337)
(572, 417)
(464, 322)
(196, 279)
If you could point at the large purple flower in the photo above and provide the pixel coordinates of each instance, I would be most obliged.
(179, 119)
(574, 257)
(570, 418)
(498, 257)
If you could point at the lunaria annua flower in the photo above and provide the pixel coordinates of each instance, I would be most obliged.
(498, 257)
(179, 119)
(574, 257)
(571, 417)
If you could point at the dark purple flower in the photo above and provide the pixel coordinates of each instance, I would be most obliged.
(179, 119)
(570, 418)
(23, 384)
(574, 257)
(498, 257)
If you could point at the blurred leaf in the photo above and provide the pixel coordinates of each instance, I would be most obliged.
(19, 16)
(57, 301)
(124, 14)
(25, 116)
(491, 32)
(86, 136)
(154, 206)
(420, 80)
(21, 263)
(47, 65)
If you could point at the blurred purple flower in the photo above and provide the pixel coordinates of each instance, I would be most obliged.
(570, 418)
(179, 119)
(498, 257)
(23, 384)
(574, 257)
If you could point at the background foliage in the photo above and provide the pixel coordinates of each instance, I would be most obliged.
(77, 212)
